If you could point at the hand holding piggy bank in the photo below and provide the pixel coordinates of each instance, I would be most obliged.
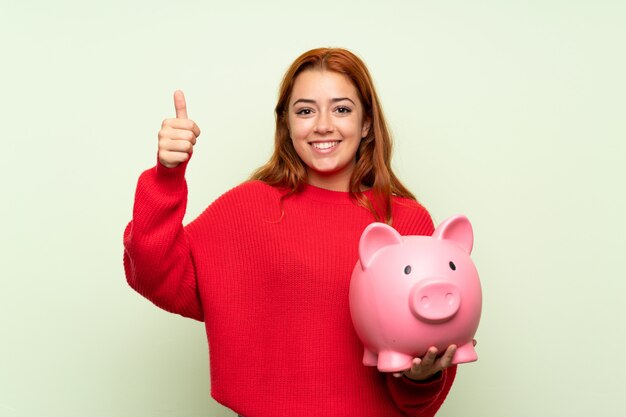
(408, 293)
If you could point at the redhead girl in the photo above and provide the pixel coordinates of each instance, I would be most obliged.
(267, 265)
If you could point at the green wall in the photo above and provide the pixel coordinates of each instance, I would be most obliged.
(511, 112)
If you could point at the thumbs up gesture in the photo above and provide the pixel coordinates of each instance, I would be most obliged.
(177, 136)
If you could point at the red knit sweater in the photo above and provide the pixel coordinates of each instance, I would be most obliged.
(273, 293)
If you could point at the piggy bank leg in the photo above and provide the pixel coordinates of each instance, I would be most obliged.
(390, 361)
(370, 358)
(465, 353)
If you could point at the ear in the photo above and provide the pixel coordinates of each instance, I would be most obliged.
(458, 229)
(375, 237)
(366, 127)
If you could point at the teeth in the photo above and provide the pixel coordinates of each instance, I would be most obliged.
(324, 145)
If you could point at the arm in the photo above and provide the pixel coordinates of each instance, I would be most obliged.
(157, 256)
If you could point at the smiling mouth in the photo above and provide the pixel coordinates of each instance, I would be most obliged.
(323, 146)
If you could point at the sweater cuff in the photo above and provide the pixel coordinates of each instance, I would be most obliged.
(407, 387)
(162, 185)
(175, 173)
(433, 378)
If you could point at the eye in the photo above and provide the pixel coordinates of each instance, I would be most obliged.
(343, 110)
(304, 112)
(452, 266)
(407, 269)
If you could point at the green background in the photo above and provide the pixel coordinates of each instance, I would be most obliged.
(511, 112)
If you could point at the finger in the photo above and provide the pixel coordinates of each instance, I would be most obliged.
(180, 104)
(179, 134)
(446, 359)
(416, 365)
(184, 124)
(430, 357)
(177, 146)
(172, 159)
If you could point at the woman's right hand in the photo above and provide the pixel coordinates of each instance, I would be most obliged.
(177, 136)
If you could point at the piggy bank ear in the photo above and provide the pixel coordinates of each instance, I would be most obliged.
(375, 237)
(458, 229)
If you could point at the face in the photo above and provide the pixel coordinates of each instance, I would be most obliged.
(326, 124)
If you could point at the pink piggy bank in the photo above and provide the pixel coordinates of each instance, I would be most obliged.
(408, 293)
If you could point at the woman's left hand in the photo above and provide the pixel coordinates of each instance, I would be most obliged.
(427, 366)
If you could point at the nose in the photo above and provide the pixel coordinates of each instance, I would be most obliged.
(435, 301)
(324, 123)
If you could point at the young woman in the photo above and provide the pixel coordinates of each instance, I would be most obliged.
(267, 265)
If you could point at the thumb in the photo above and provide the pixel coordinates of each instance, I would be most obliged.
(180, 104)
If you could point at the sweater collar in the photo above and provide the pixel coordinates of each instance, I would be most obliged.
(323, 195)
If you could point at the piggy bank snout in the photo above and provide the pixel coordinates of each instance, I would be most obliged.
(435, 300)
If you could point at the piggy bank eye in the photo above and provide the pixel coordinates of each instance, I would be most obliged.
(452, 266)
(407, 269)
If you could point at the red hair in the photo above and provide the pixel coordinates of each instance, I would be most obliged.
(373, 158)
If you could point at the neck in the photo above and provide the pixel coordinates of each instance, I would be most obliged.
(336, 181)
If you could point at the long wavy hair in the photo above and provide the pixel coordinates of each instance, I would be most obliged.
(373, 159)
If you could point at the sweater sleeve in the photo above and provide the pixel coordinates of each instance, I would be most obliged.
(421, 399)
(157, 257)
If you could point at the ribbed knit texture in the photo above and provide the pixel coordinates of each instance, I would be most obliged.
(271, 283)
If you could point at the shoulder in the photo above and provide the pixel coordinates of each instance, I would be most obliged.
(410, 217)
(245, 202)
(248, 191)
(408, 207)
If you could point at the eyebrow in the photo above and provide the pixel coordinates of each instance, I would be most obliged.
(334, 100)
